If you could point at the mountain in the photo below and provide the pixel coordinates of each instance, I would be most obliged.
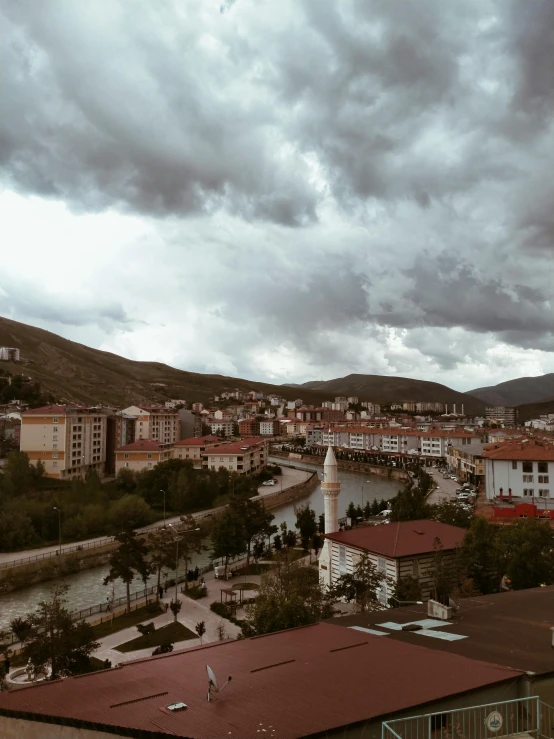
(534, 410)
(523, 390)
(74, 372)
(385, 390)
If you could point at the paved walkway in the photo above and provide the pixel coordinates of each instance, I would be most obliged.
(192, 611)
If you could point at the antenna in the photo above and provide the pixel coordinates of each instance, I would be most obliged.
(455, 606)
(213, 686)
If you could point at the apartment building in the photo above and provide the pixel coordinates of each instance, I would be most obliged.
(222, 427)
(143, 454)
(246, 457)
(249, 427)
(68, 440)
(120, 431)
(502, 414)
(155, 422)
(467, 462)
(519, 469)
(193, 447)
(269, 427)
(9, 354)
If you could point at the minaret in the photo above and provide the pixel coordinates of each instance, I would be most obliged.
(330, 487)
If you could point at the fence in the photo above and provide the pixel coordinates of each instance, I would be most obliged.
(522, 716)
(64, 550)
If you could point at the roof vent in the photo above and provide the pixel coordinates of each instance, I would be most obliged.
(177, 707)
(411, 627)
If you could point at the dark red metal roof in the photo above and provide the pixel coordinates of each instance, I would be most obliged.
(401, 538)
(292, 684)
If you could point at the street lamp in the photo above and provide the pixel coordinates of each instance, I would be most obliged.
(177, 540)
(59, 526)
(363, 494)
(163, 491)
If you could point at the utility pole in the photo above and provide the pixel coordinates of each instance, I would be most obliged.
(163, 491)
(59, 528)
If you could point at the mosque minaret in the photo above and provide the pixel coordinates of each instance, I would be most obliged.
(330, 487)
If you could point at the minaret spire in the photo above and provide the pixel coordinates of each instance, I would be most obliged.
(330, 487)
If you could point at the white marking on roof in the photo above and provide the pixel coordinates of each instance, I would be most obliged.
(369, 631)
(436, 634)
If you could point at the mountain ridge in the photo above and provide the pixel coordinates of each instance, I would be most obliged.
(521, 391)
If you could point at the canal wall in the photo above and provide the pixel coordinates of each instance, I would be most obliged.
(391, 473)
(274, 500)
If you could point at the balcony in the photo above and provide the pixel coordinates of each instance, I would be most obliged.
(524, 718)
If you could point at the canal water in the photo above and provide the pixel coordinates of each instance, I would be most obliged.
(87, 588)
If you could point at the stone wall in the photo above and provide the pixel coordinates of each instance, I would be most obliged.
(391, 473)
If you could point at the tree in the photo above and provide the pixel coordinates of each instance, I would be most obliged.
(129, 513)
(478, 556)
(56, 640)
(200, 629)
(306, 524)
(409, 505)
(407, 589)
(21, 628)
(289, 595)
(278, 543)
(255, 520)
(190, 543)
(361, 585)
(441, 573)
(175, 606)
(351, 511)
(317, 543)
(146, 630)
(129, 560)
(451, 512)
(228, 537)
(525, 552)
(161, 546)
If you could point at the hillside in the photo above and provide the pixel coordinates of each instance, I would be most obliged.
(523, 390)
(384, 390)
(534, 410)
(74, 372)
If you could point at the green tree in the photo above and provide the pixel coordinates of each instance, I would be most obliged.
(442, 573)
(255, 519)
(306, 525)
(56, 640)
(125, 482)
(161, 546)
(16, 530)
(146, 630)
(200, 629)
(361, 585)
(228, 537)
(525, 552)
(409, 505)
(478, 556)
(129, 513)
(128, 560)
(289, 595)
(351, 511)
(407, 589)
(190, 542)
(452, 513)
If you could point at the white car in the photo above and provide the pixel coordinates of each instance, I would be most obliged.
(385, 513)
(453, 477)
(269, 482)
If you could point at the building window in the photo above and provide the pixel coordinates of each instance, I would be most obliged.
(54, 420)
(528, 492)
(54, 455)
(125, 456)
(55, 428)
(54, 446)
(543, 466)
(381, 565)
(54, 464)
(528, 478)
(150, 464)
(125, 464)
(514, 465)
(342, 560)
(544, 493)
(543, 478)
(148, 456)
(527, 466)
(54, 438)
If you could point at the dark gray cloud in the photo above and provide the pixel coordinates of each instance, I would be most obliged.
(352, 186)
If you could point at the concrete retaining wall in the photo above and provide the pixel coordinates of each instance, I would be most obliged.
(391, 473)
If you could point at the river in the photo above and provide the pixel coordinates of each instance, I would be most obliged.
(87, 588)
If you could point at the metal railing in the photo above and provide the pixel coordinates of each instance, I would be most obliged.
(56, 553)
(527, 716)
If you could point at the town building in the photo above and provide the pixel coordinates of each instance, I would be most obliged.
(502, 414)
(519, 469)
(317, 681)
(10, 428)
(193, 447)
(140, 455)
(120, 431)
(9, 354)
(246, 457)
(467, 462)
(270, 427)
(155, 422)
(222, 428)
(249, 427)
(67, 440)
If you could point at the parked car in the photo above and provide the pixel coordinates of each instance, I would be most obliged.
(269, 482)
(385, 513)
(163, 649)
(462, 496)
(453, 477)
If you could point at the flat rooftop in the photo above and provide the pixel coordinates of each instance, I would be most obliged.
(510, 629)
(289, 684)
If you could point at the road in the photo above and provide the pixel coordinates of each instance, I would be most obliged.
(446, 488)
(288, 478)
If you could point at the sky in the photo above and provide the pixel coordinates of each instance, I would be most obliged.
(284, 191)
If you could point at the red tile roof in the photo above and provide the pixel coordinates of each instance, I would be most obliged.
(401, 539)
(55, 410)
(276, 686)
(238, 447)
(530, 449)
(142, 445)
(198, 441)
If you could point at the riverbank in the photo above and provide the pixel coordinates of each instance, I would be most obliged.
(390, 473)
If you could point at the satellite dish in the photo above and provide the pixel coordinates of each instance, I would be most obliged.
(455, 606)
(213, 686)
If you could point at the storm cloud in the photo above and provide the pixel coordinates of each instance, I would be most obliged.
(285, 191)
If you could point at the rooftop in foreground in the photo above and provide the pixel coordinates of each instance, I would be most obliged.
(511, 629)
(277, 684)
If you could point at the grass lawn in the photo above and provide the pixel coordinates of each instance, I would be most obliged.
(127, 619)
(164, 635)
